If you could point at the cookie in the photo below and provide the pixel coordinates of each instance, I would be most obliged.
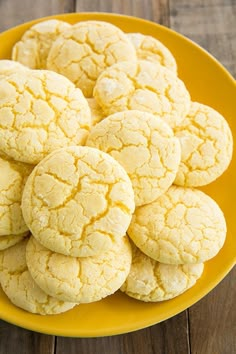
(20, 287)
(151, 281)
(96, 112)
(40, 111)
(82, 52)
(144, 86)
(13, 176)
(8, 67)
(184, 225)
(11, 240)
(206, 144)
(145, 146)
(78, 201)
(33, 48)
(149, 48)
(80, 280)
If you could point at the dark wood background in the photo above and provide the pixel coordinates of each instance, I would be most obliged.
(209, 327)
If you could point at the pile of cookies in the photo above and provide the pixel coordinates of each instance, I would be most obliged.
(101, 149)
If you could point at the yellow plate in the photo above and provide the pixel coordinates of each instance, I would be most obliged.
(209, 83)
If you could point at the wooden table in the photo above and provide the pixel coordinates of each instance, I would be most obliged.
(209, 327)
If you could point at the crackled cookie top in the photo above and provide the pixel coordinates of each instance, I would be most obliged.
(83, 279)
(149, 48)
(149, 280)
(20, 287)
(206, 144)
(78, 201)
(145, 146)
(145, 86)
(11, 240)
(96, 111)
(82, 52)
(13, 176)
(40, 111)
(33, 48)
(184, 225)
(8, 67)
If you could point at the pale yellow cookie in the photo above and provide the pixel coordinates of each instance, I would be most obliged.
(82, 52)
(8, 67)
(151, 49)
(96, 111)
(11, 240)
(152, 281)
(206, 144)
(13, 176)
(184, 225)
(40, 111)
(145, 86)
(20, 287)
(78, 201)
(33, 48)
(145, 146)
(80, 280)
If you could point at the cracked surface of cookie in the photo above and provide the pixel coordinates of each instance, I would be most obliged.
(151, 49)
(145, 86)
(82, 52)
(78, 201)
(40, 111)
(151, 281)
(84, 279)
(13, 176)
(33, 48)
(96, 111)
(206, 145)
(20, 287)
(11, 240)
(184, 225)
(145, 146)
(8, 67)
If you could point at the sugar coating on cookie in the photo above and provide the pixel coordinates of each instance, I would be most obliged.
(13, 176)
(20, 287)
(82, 279)
(33, 48)
(206, 145)
(145, 146)
(78, 201)
(96, 111)
(184, 225)
(11, 240)
(144, 86)
(40, 111)
(151, 281)
(8, 67)
(151, 49)
(82, 52)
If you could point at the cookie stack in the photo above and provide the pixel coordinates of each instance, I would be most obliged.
(101, 149)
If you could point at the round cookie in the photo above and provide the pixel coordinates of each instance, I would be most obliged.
(206, 145)
(11, 240)
(151, 281)
(86, 49)
(145, 146)
(149, 48)
(33, 48)
(78, 201)
(80, 280)
(96, 112)
(40, 111)
(184, 225)
(8, 67)
(20, 287)
(13, 176)
(144, 86)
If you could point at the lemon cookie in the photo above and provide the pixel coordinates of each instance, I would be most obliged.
(149, 280)
(184, 225)
(8, 67)
(96, 111)
(11, 240)
(82, 52)
(151, 49)
(13, 176)
(207, 146)
(78, 201)
(145, 146)
(20, 287)
(145, 86)
(40, 111)
(33, 48)
(80, 280)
